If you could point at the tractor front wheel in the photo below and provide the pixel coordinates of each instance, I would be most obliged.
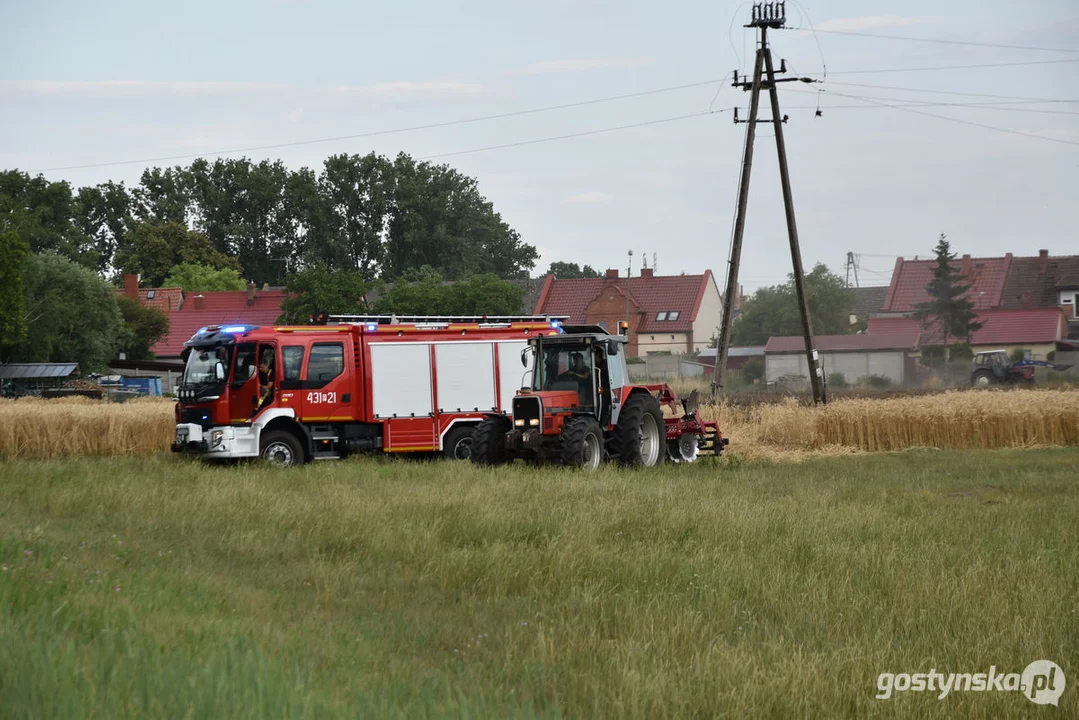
(640, 437)
(582, 443)
(489, 441)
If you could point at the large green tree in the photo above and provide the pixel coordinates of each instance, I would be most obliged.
(144, 326)
(43, 213)
(71, 314)
(569, 271)
(318, 290)
(774, 310)
(13, 252)
(193, 277)
(103, 213)
(154, 249)
(948, 315)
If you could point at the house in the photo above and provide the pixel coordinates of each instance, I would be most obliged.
(1043, 282)
(891, 355)
(910, 279)
(867, 301)
(1039, 330)
(736, 356)
(672, 314)
(250, 307)
(164, 299)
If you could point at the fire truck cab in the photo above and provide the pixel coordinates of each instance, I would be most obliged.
(366, 383)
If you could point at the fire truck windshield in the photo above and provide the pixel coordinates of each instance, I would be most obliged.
(207, 365)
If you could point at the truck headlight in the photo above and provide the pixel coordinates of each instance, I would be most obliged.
(519, 422)
(215, 437)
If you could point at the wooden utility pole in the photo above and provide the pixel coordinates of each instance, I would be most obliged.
(766, 15)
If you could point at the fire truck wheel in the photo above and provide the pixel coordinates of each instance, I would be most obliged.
(582, 443)
(458, 443)
(489, 441)
(281, 448)
(640, 437)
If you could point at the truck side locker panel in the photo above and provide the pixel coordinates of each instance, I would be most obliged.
(402, 394)
(465, 372)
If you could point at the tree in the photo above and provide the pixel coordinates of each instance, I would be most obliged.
(948, 314)
(569, 271)
(774, 310)
(103, 213)
(193, 277)
(144, 326)
(431, 295)
(318, 290)
(13, 252)
(43, 214)
(439, 218)
(71, 314)
(356, 193)
(154, 249)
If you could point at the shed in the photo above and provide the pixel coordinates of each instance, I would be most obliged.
(855, 356)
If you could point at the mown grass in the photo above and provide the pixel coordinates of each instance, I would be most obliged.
(157, 587)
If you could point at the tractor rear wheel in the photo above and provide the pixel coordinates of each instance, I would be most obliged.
(640, 437)
(489, 441)
(982, 378)
(582, 443)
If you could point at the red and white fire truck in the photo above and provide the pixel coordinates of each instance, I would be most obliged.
(360, 383)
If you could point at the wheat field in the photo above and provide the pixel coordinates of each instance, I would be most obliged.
(986, 420)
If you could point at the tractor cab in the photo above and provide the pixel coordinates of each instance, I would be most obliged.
(581, 371)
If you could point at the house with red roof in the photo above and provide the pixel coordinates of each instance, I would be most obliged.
(673, 314)
(240, 307)
(1026, 303)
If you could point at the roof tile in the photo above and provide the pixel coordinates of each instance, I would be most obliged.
(650, 296)
(999, 326)
(910, 278)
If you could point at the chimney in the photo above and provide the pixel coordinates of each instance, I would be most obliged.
(252, 290)
(131, 285)
(965, 266)
(1027, 299)
(200, 302)
(612, 273)
(647, 272)
(1043, 262)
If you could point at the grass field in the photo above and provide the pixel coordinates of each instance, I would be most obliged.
(150, 586)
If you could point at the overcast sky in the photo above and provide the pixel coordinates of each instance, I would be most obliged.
(101, 82)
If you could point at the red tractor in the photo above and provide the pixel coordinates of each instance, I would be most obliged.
(578, 408)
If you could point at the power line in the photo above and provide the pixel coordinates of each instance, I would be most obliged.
(953, 67)
(943, 92)
(937, 40)
(963, 122)
(375, 133)
(572, 135)
(903, 102)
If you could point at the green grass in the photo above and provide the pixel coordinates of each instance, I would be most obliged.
(158, 587)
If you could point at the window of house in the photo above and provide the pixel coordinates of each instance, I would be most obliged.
(661, 316)
(150, 294)
(1068, 297)
(673, 315)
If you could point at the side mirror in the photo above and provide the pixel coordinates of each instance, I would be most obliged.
(612, 347)
(525, 352)
(219, 371)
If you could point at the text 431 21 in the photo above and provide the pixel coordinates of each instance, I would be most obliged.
(322, 398)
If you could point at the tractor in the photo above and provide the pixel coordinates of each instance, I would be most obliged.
(578, 408)
(994, 367)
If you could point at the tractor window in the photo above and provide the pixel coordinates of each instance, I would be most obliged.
(568, 369)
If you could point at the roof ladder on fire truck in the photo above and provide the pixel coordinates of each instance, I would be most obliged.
(440, 319)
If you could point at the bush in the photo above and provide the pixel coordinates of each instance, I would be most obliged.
(753, 370)
(875, 381)
(837, 380)
(634, 361)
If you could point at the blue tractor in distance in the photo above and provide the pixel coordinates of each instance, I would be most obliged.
(994, 367)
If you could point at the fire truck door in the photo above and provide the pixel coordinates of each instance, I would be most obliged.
(292, 390)
(245, 384)
(327, 387)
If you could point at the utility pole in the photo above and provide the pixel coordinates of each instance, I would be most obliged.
(852, 264)
(629, 272)
(765, 16)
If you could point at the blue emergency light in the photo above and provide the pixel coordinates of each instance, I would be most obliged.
(239, 328)
(372, 327)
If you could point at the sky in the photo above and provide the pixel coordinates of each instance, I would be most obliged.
(101, 83)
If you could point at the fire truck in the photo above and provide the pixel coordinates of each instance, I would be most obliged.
(388, 384)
